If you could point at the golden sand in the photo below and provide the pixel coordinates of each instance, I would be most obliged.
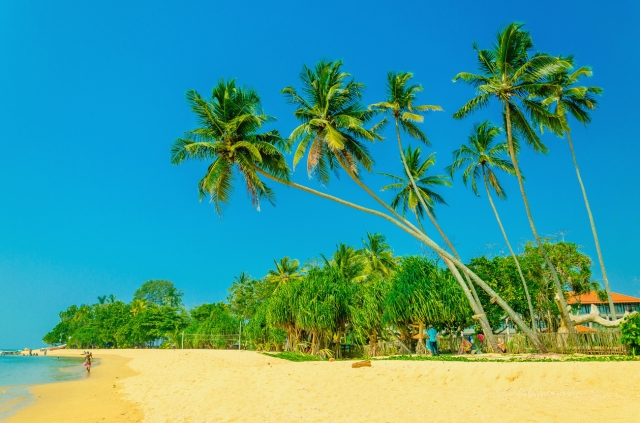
(198, 386)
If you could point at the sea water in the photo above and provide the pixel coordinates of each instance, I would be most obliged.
(19, 373)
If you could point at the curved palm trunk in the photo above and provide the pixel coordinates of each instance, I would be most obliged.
(468, 288)
(472, 297)
(564, 313)
(513, 254)
(406, 226)
(593, 228)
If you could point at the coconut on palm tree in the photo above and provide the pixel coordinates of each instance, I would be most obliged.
(518, 81)
(478, 160)
(570, 99)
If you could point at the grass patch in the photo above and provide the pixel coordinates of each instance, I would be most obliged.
(294, 356)
(515, 359)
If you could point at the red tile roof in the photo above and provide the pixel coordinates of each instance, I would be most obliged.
(583, 329)
(592, 298)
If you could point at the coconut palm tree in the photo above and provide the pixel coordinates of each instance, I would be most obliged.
(348, 262)
(570, 99)
(401, 105)
(478, 160)
(417, 195)
(228, 134)
(518, 81)
(378, 256)
(219, 137)
(286, 270)
(333, 118)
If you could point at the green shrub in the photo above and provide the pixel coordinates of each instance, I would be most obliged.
(630, 329)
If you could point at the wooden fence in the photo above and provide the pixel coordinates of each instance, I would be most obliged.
(606, 342)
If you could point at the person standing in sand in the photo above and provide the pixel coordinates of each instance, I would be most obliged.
(433, 340)
(87, 363)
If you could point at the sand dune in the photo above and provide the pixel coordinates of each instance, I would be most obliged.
(198, 386)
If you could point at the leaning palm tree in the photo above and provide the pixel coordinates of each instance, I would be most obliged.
(333, 118)
(286, 270)
(224, 137)
(478, 160)
(401, 105)
(417, 195)
(576, 101)
(378, 256)
(518, 80)
(228, 134)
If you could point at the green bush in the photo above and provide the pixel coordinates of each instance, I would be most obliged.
(630, 329)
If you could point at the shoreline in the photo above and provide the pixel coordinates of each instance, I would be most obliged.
(92, 398)
(201, 386)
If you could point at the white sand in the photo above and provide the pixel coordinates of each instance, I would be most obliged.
(198, 386)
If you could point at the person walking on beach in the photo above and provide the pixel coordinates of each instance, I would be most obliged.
(87, 363)
(433, 341)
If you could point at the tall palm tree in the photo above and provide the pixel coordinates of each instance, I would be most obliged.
(224, 137)
(286, 270)
(417, 194)
(518, 80)
(333, 118)
(228, 134)
(378, 256)
(478, 160)
(573, 100)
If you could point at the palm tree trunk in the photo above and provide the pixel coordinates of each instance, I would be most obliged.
(563, 312)
(513, 254)
(473, 301)
(429, 242)
(593, 228)
(473, 298)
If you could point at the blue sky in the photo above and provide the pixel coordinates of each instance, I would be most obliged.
(93, 96)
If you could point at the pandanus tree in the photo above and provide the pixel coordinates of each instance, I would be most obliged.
(479, 160)
(570, 99)
(518, 81)
(235, 147)
(415, 193)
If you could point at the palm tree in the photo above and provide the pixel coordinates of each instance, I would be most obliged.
(332, 117)
(286, 270)
(228, 134)
(400, 103)
(576, 101)
(378, 256)
(224, 137)
(348, 262)
(138, 306)
(418, 196)
(478, 159)
(518, 80)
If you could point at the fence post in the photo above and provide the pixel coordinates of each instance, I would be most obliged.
(183, 340)
(240, 337)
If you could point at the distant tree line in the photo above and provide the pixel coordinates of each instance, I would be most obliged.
(357, 296)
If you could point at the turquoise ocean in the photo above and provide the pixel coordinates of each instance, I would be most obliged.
(18, 374)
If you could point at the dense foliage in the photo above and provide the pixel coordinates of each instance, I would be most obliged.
(355, 297)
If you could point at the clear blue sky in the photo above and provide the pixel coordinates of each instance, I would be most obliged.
(92, 96)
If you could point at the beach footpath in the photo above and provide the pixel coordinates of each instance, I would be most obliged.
(202, 386)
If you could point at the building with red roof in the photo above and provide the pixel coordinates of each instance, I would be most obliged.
(622, 303)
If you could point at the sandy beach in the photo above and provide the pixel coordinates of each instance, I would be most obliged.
(198, 386)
